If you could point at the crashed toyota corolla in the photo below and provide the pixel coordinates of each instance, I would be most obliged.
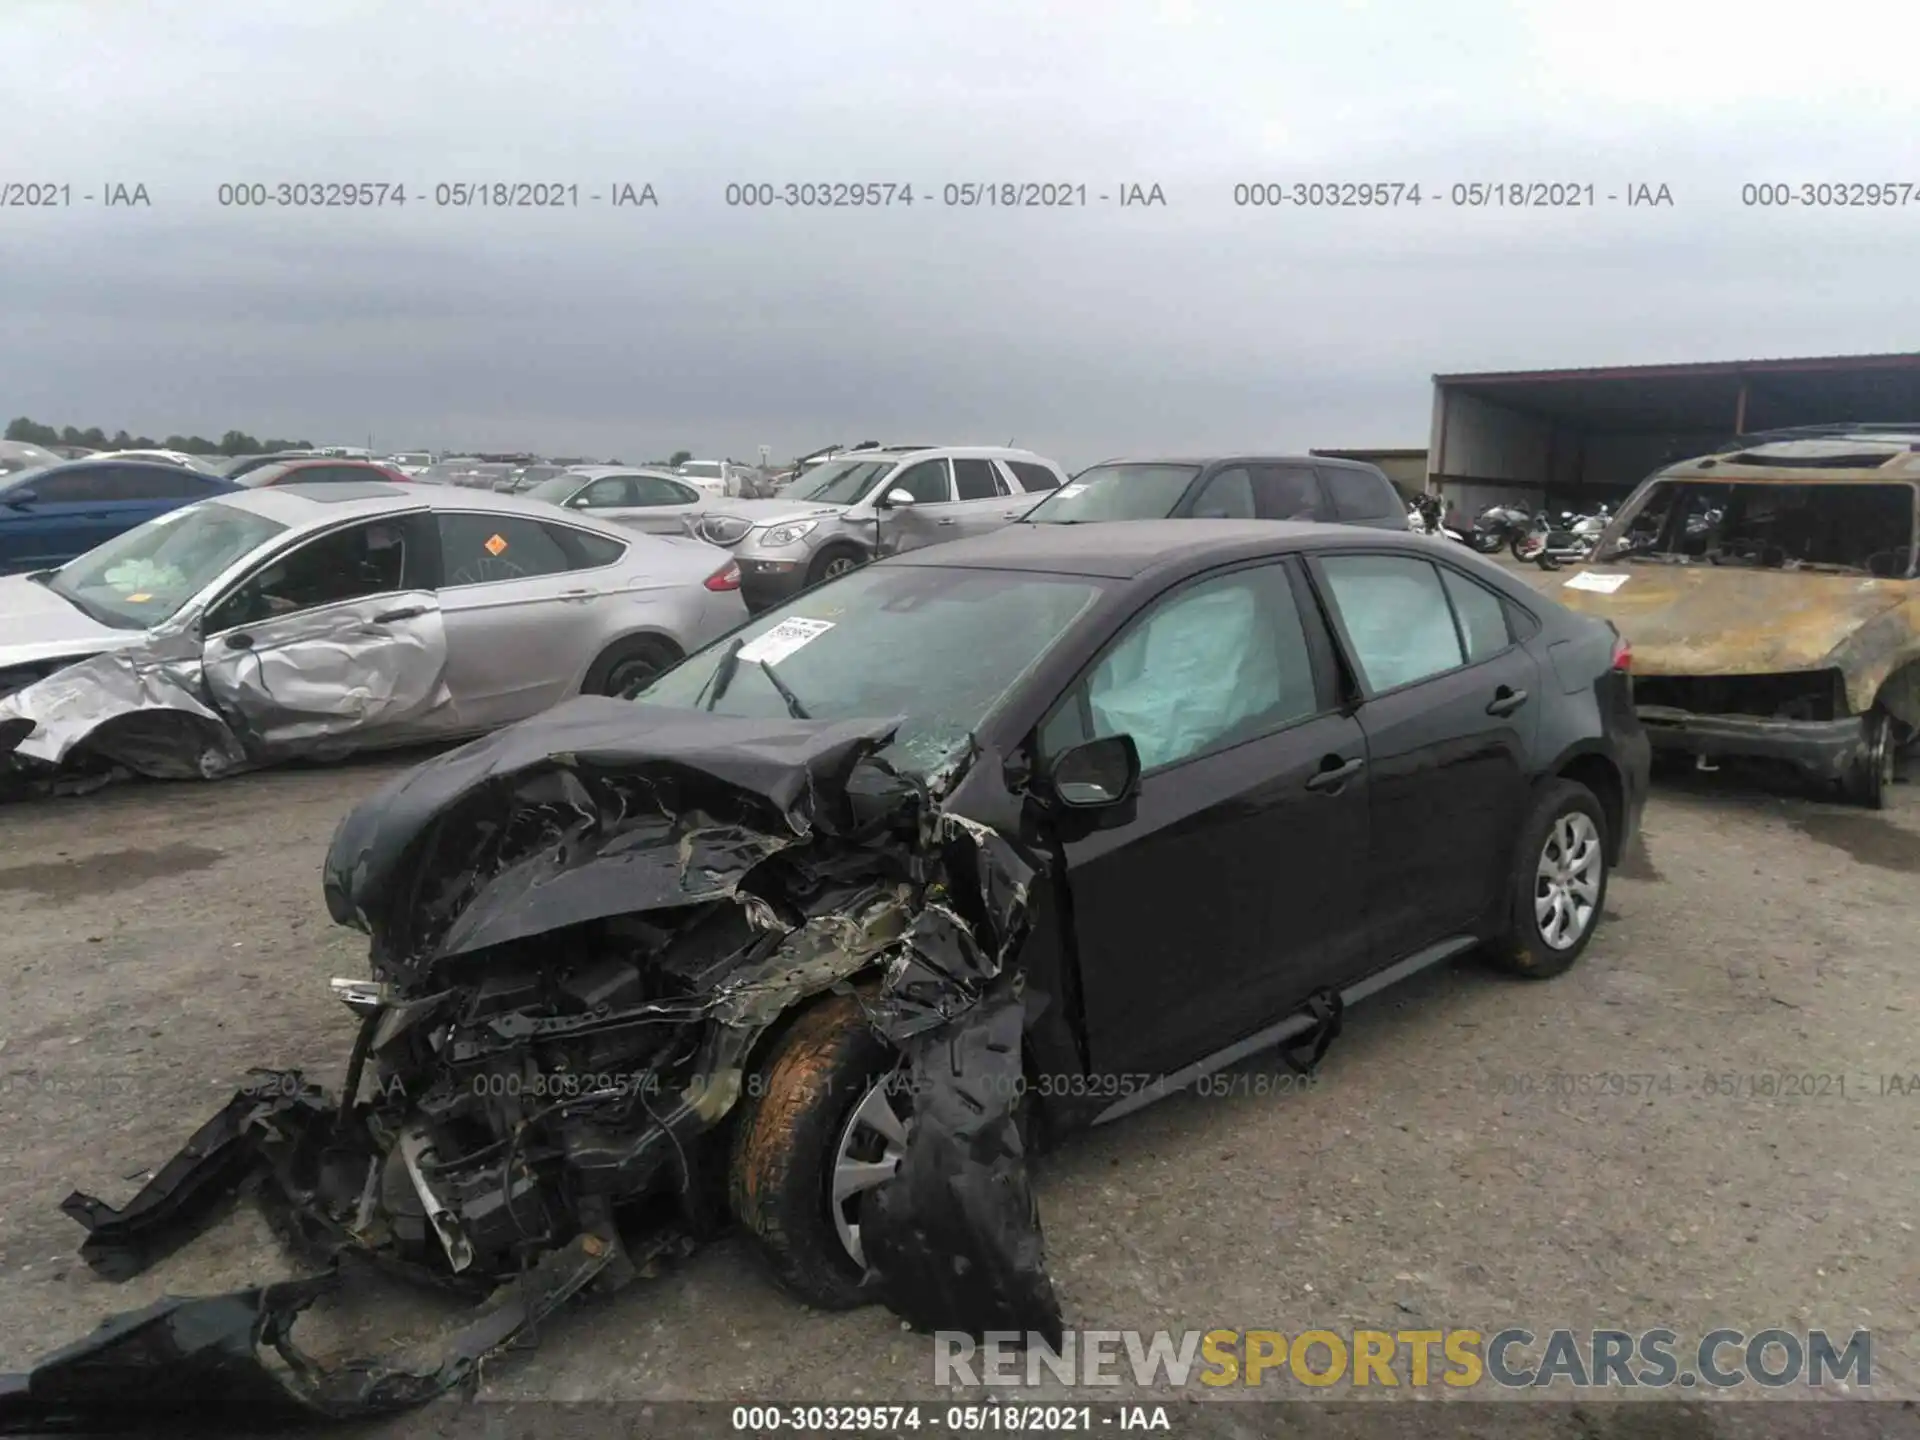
(735, 952)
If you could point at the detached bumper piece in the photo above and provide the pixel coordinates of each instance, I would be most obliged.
(620, 895)
(1824, 749)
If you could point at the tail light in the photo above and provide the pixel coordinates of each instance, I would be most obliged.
(727, 577)
(1622, 653)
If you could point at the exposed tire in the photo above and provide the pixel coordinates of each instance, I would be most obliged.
(1515, 544)
(1546, 561)
(1486, 542)
(833, 562)
(1873, 772)
(1564, 835)
(787, 1146)
(626, 665)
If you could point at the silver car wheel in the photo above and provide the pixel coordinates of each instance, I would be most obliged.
(866, 1156)
(1567, 884)
(837, 566)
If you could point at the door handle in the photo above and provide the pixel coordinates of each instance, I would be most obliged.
(1335, 775)
(946, 522)
(1506, 701)
(390, 616)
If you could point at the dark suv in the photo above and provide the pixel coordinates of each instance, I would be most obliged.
(1233, 487)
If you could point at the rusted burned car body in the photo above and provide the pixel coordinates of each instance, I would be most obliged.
(1771, 597)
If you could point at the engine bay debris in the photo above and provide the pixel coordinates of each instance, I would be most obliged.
(581, 929)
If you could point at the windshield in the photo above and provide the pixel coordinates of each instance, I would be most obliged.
(559, 488)
(143, 577)
(840, 482)
(1116, 492)
(940, 647)
(1866, 527)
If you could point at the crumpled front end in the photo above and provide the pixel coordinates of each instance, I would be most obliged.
(581, 928)
(173, 708)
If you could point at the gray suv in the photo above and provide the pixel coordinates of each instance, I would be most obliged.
(1234, 487)
(843, 512)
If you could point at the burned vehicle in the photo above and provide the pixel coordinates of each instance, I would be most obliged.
(1770, 594)
(820, 932)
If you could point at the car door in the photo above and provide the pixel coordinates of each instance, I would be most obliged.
(652, 503)
(930, 518)
(1235, 888)
(519, 611)
(335, 641)
(1449, 708)
(982, 500)
(49, 518)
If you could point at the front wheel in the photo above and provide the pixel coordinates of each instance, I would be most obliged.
(1559, 883)
(820, 1127)
(1546, 561)
(1873, 771)
(832, 564)
(1486, 542)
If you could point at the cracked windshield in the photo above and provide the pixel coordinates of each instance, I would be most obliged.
(939, 647)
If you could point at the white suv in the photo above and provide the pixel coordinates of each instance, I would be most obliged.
(843, 512)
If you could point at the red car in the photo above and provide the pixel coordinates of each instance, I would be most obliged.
(321, 470)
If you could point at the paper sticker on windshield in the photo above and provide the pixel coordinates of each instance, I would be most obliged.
(782, 640)
(1070, 490)
(1604, 584)
(140, 599)
(495, 544)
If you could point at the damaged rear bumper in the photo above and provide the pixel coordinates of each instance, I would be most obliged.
(1824, 749)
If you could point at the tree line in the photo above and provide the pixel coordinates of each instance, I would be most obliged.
(234, 442)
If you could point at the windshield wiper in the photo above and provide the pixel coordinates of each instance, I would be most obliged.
(722, 674)
(794, 707)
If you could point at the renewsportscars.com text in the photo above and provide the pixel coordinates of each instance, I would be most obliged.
(1514, 1358)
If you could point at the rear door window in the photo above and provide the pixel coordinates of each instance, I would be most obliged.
(973, 480)
(78, 487)
(1358, 494)
(1227, 495)
(1033, 477)
(482, 549)
(1397, 619)
(1289, 492)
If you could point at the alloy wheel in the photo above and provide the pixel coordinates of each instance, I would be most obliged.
(838, 566)
(865, 1157)
(1567, 884)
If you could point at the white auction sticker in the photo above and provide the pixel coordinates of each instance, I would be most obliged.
(1604, 584)
(783, 639)
(1067, 492)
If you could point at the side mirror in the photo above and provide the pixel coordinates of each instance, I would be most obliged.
(899, 498)
(1101, 774)
(578, 502)
(23, 497)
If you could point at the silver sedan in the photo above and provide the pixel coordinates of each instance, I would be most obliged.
(641, 499)
(317, 620)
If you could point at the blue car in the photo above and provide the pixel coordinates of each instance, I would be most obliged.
(52, 514)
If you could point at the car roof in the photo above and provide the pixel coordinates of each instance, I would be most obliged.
(299, 505)
(159, 467)
(600, 472)
(1809, 458)
(1123, 549)
(1237, 457)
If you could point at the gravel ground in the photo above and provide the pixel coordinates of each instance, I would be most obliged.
(159, 939)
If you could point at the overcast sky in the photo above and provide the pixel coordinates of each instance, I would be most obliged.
(1080, 332)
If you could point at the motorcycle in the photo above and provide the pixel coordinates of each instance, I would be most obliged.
(1427, 516)
(1501, 526)
(1569, 542)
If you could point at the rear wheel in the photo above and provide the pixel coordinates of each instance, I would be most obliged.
(1559, 883)
(820, 1127)
(630, 665)
(1486, 542)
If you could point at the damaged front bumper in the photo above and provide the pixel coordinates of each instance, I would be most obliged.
(1823, 749)
(607, 893)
